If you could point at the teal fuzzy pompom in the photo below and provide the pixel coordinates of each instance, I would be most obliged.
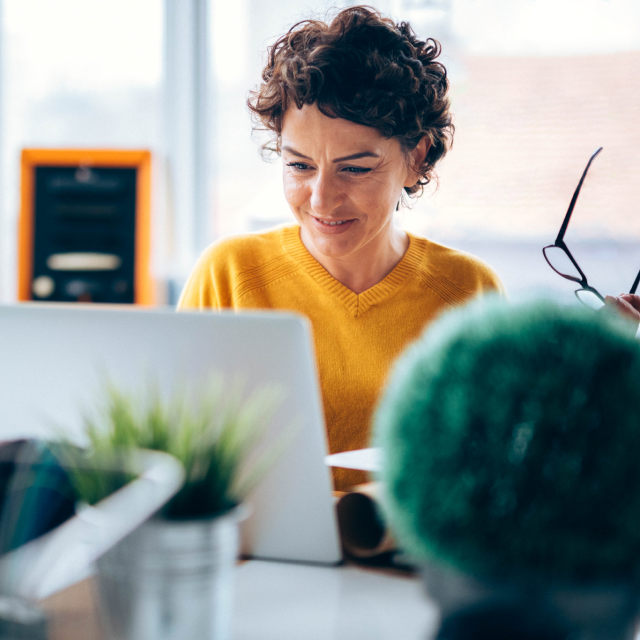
(511, 438)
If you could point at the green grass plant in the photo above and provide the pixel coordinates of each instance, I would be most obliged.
(216, 435)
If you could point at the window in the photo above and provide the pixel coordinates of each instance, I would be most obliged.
(75, 74)
(536, 86)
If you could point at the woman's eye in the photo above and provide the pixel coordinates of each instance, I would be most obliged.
(298, 166)
(356, 169)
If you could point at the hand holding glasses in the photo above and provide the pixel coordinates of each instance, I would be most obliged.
(564, 264)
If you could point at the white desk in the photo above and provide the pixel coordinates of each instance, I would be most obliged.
(276, 601)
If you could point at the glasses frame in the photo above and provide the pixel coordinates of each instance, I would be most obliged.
(560, 244)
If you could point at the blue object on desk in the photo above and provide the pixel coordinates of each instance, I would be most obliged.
(35, 493)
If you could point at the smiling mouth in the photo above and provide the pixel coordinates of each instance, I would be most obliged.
(333, 223)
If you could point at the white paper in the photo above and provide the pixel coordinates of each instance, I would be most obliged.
(360, 459)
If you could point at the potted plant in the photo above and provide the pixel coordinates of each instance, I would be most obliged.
(171, 578)
(510, 435)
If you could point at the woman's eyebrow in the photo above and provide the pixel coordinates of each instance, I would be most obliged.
(353, 156)
(295, 153)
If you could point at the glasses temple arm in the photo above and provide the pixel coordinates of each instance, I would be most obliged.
(635, 284)
(565, 222)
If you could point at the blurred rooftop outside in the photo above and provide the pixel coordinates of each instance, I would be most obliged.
(526, 127)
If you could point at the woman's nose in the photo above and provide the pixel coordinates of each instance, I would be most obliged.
(326, 195)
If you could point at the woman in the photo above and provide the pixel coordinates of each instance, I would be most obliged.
(358, 109)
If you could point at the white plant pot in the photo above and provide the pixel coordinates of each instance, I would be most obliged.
(591, 611)
(171, 580)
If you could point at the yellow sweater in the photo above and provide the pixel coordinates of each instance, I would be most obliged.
(357, 336)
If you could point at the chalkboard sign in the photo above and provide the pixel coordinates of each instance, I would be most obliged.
(84, 226)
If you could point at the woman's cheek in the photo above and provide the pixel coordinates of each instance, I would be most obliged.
(295, 191)
(370, 198)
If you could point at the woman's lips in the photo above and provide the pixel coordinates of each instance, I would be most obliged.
(324, 227)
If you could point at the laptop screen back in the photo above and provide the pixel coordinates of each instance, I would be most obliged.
(55, 361)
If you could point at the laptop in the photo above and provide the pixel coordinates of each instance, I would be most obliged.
(54, 361)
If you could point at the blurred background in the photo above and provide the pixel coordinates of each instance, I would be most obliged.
(536, 86)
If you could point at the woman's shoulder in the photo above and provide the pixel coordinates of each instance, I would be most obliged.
(231, 264)
(251, 249)
(461, 269)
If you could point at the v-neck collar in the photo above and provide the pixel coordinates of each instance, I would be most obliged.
(356, 303)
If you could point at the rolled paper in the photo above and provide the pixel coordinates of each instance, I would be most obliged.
(363, 531)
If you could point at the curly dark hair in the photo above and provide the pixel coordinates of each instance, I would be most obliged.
(364, 68)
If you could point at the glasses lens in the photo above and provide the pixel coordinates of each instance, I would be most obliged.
(589, 299)
(560, 262)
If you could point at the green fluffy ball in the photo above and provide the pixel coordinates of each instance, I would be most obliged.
(511, 438)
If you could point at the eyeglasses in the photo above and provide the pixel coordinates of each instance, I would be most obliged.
(564, 264)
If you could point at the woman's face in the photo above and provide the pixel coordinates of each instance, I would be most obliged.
(342, 181)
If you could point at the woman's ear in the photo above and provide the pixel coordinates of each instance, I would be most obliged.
(416, 159)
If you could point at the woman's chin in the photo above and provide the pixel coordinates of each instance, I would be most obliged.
(333, 246)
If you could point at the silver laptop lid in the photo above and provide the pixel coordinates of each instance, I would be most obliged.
(54, 362)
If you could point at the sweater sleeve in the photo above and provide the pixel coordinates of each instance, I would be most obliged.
(488, 280)
(472, 274)
(455, 275)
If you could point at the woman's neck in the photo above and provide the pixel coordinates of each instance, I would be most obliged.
(369, 265)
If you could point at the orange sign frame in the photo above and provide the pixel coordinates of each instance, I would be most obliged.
(137, 159)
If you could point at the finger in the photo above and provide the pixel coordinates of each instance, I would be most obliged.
(631, 299)
(623, 307)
